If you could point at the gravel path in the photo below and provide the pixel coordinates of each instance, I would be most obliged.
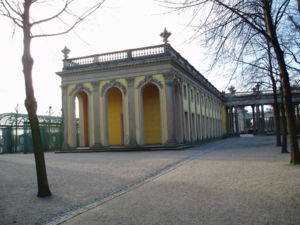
(233, 181)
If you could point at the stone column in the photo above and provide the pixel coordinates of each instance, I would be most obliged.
(211, 125)
(72, 124)
(201, 119)
(215, 119)
(227, 119)
(297, 117)
(190, 133)
(196, 115)
(258, 119)
(205, 129)
(179, 113)
(231, 129)
(219, 121)
(131, 107)
(65, 118)
(103, 108)
(170, 93)
(212, 118)
(96, 107)
(254, 119)
(263, 124)
(236, 119)
(208, 118)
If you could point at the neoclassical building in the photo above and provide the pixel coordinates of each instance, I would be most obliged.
(138, 97)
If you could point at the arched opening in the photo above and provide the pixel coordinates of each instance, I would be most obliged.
(82, 118)
(152, 117)
(115, 116)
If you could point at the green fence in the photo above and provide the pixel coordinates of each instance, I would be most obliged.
(19, 139)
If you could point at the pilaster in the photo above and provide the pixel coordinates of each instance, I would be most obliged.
(170, 93)
(258, 127)
(65, 118)
(254, 119)
(263, 124)
(96, 108)
(231, 130)
(131, 108)
(236, 119)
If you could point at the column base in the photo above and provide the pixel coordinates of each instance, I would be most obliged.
(97, 146)
(171, 142)
(66, 147)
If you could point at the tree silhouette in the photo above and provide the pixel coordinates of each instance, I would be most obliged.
(19, 12)
(228, 26)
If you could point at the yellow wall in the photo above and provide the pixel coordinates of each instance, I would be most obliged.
(103, 119)
(115, 116)
(152, 118)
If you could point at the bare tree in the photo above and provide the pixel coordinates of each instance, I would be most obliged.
(19, 12)
(229, 26)
(260, 68)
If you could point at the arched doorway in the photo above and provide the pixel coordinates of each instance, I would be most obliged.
(115, 116)
(82, 113)
(151, 114)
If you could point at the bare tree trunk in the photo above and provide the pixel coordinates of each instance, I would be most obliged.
(284, 127)
(31, 106)
(284, 78)
(277, 118)
(276, 105)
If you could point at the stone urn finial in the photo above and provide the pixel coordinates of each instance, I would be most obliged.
(66, 52)
(165, 35)
(232, 90)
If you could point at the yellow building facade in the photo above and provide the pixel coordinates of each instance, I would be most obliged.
(139, 97)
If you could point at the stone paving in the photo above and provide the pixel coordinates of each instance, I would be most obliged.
(232, 181)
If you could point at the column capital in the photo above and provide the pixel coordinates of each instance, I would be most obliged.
(64, 89)
(130, 81)
(169, 76)
(170, 79)
(95, 85)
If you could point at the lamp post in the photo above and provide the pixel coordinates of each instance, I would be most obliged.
(16, 120)
(49, 124)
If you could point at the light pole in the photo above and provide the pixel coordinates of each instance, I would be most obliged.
(49, 125)
(16, 119)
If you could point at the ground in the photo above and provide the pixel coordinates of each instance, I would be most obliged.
(235, 181)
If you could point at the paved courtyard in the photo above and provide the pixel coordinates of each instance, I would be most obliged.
(232, 181)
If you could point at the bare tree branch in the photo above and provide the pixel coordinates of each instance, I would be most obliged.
(63, 9)
(79, 19)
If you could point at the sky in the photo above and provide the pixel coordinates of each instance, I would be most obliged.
(118, 25)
